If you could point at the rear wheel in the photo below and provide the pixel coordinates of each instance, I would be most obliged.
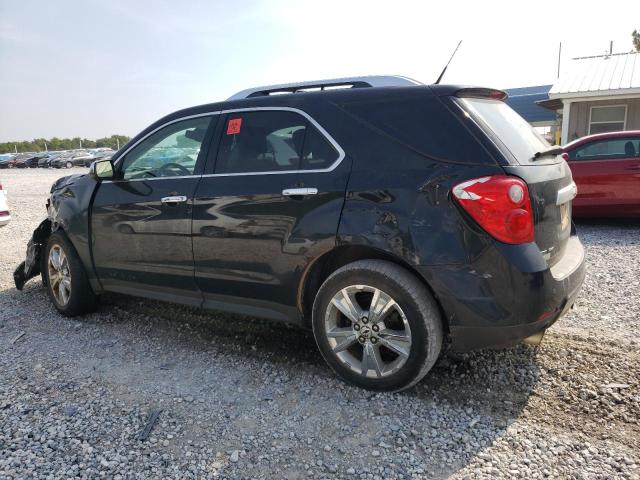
(377, 326)
(69, 165)
(65, 278)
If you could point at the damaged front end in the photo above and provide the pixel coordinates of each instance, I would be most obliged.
(61, 190)
(31, 266)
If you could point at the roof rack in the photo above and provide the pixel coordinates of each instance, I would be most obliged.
(315, 85)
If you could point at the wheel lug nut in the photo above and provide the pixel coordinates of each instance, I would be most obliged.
(356, 327)
(361, 339)
(375, 328)
(365, 320)
(374, 340)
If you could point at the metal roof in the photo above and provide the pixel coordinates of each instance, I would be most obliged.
(523, 100)
(367, 81)
(613, 74)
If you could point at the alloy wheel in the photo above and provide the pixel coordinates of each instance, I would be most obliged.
(59, 274)
(367, 331)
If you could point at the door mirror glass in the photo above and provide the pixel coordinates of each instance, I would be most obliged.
(102, 169)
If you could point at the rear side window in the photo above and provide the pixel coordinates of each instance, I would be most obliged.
(612, 149)
(272, 141)
(423, 124)
(510, 128)
(261, 141)
(317, 153)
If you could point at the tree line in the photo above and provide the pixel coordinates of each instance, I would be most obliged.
(43, 144)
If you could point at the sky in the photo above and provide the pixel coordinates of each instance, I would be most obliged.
(93, 68)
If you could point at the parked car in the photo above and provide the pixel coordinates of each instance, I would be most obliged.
(20, 160)
(393, 219)
(70, 159)
(100, 155)
(606, 169)
(5, 217)
(7, 161)
(27, 160)
(45, 161)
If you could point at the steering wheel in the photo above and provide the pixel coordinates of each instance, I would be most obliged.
(167, 167)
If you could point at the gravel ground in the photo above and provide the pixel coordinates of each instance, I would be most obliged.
(243, 398)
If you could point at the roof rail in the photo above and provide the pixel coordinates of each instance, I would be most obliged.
(349, 82)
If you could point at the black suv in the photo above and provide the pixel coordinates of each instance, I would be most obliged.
(393, 218)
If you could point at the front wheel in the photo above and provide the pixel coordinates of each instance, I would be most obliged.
(377, 325)
(65, 278)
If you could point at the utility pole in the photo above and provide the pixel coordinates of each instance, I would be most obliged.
(118, 143)
(80, 142)
(610, 47)
(15, 147)
(45, 147)
(559, 56)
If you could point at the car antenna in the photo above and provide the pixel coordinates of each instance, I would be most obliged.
(445, 67)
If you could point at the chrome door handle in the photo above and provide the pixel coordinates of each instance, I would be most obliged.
(292, 192)
(174, 199)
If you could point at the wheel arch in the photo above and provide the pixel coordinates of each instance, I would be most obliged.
(320, 269)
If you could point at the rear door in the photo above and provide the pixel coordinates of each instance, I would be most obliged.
(607, 173)
(141, 223)
(269, 204)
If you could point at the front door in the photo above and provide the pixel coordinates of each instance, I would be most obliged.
(607, 173)
(270, 205)
(141, 222)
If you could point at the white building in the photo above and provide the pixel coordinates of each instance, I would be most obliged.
(597, 94)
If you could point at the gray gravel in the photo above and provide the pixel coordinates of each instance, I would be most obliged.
(243, 398)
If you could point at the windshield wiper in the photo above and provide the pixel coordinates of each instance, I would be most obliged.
(552, 150)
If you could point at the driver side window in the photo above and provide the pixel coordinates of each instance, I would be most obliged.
(171, 151)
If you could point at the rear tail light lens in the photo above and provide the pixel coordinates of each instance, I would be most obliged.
(500, 205)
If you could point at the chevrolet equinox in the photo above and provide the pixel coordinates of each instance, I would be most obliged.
(392, 218)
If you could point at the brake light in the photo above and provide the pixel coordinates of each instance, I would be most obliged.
(490, 93)
(501, 206)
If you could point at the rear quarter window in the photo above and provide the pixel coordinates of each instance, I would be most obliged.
(423, 124)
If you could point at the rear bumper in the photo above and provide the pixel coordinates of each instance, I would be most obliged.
(507, 294)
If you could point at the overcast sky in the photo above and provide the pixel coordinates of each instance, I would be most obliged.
(93, 68)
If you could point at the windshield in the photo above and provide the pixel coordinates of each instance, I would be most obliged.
(511, 129)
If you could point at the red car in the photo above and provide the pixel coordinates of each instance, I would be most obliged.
(606, 169)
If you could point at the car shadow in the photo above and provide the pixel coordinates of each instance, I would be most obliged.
(460, 408)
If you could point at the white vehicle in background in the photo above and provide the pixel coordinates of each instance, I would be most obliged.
(4, 208)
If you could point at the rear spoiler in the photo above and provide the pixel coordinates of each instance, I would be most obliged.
(490, 93)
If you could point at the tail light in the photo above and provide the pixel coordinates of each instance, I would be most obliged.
(501, 206)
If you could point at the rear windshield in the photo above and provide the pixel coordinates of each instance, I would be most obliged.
(510, 128)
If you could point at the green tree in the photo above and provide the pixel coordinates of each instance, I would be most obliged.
(635, 36)
(55, 143)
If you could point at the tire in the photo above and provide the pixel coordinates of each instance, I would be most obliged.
(68, 164)
(413, 314)
(80, 297)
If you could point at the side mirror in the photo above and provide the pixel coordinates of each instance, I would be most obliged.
(101, 169)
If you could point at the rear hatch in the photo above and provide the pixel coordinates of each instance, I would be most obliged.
(526, 154)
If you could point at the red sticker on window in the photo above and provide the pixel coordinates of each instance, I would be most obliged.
(233, 127)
